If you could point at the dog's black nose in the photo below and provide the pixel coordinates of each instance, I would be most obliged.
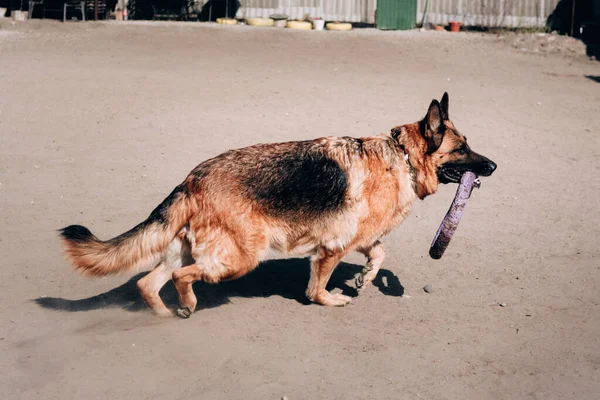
(489, 168)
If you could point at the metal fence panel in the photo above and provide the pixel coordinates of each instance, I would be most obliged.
(330, 10)
(490, 13)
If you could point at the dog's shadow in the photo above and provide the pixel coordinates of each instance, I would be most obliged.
(287, 278)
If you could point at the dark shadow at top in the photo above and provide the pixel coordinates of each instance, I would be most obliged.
(285, 278)
(213, 9)
(581, 21)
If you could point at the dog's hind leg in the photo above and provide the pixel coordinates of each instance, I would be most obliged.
(177, 254)
(150, 286)
(321, 268)
(219, 253)
(212, 273)
(375, 255)
(183, 279)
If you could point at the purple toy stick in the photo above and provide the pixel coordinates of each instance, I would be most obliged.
(453, 216)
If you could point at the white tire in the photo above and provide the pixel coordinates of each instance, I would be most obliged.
(304, 25)
(227, 21)
(260, 22)
(338, 26)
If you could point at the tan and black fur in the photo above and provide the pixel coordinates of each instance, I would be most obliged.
(324, 198)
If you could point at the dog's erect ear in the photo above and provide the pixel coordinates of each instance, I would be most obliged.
(444, 106)
(434, 127)
(434, 117)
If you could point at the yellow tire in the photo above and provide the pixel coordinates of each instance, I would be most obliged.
(227, 21)
(260, 21)
(338, 26)
(304, 25)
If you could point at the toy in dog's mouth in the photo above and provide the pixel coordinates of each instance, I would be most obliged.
(468, 180)
(453, 172)
(450, 175)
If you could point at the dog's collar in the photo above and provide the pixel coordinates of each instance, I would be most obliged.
(396, 134)
(407, 160)
(411, 169)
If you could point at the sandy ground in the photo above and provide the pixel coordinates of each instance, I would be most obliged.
(98, 122)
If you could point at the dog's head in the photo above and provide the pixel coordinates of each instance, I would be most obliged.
(448, 149)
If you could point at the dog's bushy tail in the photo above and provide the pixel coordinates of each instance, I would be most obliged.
(137, 249)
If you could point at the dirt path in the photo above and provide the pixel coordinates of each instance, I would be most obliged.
(98, 122)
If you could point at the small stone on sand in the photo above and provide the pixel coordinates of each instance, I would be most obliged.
(428, 288)
(502, 304)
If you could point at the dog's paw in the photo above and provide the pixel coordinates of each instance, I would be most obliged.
(363, 281)
(184, 312)
(359, 281)
(340, 300)
(335, 300)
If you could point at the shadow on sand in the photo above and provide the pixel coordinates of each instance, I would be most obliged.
(593, 78)
(285, 278)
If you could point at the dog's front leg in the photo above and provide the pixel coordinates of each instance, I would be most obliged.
(375, 256)
(321, 268)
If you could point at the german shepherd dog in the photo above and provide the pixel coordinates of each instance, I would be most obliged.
(324, 198)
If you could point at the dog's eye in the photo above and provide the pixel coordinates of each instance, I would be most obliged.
(461, 151)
